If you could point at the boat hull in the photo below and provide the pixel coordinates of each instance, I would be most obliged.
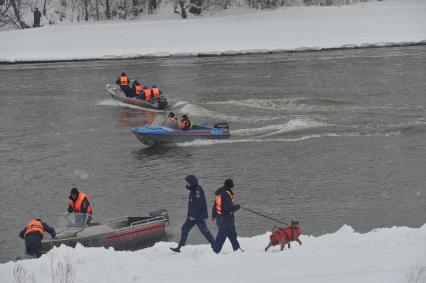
(156, 104)
(151, 135)
(128, 233)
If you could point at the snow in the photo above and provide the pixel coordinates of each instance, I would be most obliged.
(385, 255)
(385, 23)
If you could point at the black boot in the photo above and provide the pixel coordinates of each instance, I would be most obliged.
(176, 250)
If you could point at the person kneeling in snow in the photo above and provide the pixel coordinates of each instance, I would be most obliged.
(197, 212)
(33, 234)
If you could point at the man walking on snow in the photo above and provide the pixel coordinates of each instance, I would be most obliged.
(197, 213)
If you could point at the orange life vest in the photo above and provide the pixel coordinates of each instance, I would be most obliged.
(138, 89)
(34, 226)
(185, 124)
(218, 202)
(124, 80)
(76, 206)
(147, 94)
(156, 92)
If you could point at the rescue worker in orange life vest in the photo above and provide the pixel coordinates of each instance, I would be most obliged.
(79, 203)
(223, 211)
(185, 123)
(136, 89)
(156, 92)
(124, 81)
(147, 93)
(33, 234)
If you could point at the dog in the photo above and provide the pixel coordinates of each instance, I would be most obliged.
(285, 235)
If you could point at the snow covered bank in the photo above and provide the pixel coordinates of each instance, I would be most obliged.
(383, 255)
(390, 22)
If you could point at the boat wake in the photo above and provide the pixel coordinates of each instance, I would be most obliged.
(195, 110)
(295, 139)
(279, 104)
(270, 130)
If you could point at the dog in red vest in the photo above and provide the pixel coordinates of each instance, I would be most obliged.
(285, 235)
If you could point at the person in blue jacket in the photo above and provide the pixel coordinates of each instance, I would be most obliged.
(197, 213)
(223, 211)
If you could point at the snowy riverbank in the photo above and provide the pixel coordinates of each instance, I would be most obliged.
(391, 22)
(383, 255)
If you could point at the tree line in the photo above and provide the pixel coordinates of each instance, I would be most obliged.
(18, 13)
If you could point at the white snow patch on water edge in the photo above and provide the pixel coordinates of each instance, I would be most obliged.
(388, 255)
(385, 23)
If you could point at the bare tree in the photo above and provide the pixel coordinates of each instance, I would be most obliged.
(16, 6)
(107, 10)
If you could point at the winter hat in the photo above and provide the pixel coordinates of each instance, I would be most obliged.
(74, 191)
(229, 183)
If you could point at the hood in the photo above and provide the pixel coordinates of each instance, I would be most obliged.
(192, 180)
(222, 189)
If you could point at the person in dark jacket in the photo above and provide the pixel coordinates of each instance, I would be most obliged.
(223, 211)
(197, 213)
(37, 16)
(33, 234)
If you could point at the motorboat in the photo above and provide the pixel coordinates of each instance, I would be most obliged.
(158, 134)
(125, 233)
(154, 104)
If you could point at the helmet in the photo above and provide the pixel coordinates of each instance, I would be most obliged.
(154, 85)
(123, 73)
(145, 86)
(137, 82)
(184, 117)
(171, 114)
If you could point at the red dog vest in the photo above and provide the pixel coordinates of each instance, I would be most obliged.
(290, 233)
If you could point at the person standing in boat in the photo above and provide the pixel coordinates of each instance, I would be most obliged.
(124, 81)
(197, 213)
(185, 123)
(79, 202)
(33, 233)
(223, 212)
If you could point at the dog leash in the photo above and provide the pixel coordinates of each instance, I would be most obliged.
(263, 215)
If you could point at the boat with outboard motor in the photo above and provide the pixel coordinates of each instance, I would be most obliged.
(155, 104)
(157, 134)
(126, 233)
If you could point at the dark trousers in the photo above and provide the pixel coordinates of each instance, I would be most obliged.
(187, 226)
(126, 89)
(226, 230)
(33, 244)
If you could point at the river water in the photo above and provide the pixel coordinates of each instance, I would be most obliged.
(326, 138)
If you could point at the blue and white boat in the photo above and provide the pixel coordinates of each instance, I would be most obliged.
(157, 134)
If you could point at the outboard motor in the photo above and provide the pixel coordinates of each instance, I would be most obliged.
(223, 125)
(160, 212)
(162, 102)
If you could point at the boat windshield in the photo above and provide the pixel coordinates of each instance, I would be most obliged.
(73, 220)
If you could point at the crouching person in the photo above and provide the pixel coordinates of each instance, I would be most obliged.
(33, 234)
